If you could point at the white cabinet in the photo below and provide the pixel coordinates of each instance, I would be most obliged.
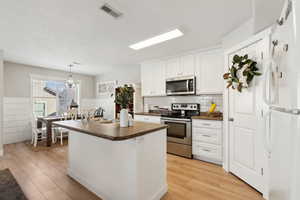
(153, 79)
(188, 65)
(146, 79)
(146, 118)
(180, 66)
(207, 140)
(209, 73)
(173, 68)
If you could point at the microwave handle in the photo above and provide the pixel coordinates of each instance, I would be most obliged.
(187, 85)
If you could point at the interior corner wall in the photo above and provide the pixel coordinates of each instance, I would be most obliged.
(1, 102)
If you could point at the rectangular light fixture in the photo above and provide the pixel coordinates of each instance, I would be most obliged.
(157, 39)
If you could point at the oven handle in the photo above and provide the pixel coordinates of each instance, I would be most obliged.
(175, 120)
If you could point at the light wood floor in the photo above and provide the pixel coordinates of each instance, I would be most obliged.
(42, 175)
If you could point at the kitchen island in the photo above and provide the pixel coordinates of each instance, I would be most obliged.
(118, 163)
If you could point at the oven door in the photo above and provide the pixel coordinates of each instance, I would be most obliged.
(180, 86)
(178, 131)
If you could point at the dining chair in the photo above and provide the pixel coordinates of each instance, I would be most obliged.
(70, 115)
(38, 134)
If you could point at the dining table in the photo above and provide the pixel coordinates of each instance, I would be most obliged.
(48, 123)
(48, 120)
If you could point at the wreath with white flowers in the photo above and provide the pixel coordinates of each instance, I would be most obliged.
(241, 73)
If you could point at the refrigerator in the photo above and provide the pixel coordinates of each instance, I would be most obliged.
(282, 100)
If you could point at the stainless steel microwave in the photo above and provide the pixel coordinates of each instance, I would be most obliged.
(181, 86)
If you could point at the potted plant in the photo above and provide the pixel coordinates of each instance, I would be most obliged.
(124, 98)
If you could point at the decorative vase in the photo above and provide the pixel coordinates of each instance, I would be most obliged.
(124, 118)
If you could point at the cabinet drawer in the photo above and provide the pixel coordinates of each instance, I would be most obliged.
(207, 150)
(207, 123)
(146, 118)
(213, 136)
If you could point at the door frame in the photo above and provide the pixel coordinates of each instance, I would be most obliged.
(264, 35)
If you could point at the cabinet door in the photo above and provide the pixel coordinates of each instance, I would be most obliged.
(159, 79)
(187, 67)
(153, 79)
(145, 80)
(209, 73)
(173, 68)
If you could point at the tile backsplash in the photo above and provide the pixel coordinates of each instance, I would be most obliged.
(203, 100)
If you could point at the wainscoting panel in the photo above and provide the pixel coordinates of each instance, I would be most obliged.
(16, 120)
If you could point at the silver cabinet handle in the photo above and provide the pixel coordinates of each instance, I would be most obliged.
(231, 119)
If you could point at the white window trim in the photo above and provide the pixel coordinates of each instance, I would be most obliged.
(51, 78)
(45, 102)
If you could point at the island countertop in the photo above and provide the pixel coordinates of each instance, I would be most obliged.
(110, 131)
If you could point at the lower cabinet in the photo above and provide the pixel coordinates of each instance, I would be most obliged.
(146, 118)
(207, 140)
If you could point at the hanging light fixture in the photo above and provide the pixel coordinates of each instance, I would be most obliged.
(70, 83)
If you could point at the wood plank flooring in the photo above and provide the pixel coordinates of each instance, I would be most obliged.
(42, 175)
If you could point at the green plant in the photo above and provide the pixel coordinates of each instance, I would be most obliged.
(124, 96)
(248, 70)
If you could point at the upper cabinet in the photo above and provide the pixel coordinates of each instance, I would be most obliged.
(172, 68)
(209, 73)
(188, 65)
(180, 66)
(208, 67)
(153, 79)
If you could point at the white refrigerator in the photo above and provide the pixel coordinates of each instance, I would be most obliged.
(282, 99)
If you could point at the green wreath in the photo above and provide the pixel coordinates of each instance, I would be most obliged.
(242, 68)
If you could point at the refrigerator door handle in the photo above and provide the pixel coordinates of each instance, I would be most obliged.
(285, 110)
(267, 132)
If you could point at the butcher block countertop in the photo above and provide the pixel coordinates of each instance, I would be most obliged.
(110, 131)
(213, 116)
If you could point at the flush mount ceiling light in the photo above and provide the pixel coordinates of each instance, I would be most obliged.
(157, 39)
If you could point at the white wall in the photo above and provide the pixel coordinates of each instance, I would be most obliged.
(17, 79)
(243, 32)
(1, 102)
(266, 13)
(124, 75)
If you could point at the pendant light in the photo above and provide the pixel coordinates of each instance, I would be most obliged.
(70, 83)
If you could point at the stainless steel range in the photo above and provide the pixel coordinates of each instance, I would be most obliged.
(179, 132)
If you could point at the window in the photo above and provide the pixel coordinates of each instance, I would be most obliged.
(52, 97)
(39, 109)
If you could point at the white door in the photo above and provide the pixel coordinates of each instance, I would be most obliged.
(247, 156)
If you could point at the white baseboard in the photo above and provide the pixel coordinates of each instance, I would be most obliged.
(161, 193)
(217, 162)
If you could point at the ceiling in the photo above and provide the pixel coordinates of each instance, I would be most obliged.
(53, 33)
